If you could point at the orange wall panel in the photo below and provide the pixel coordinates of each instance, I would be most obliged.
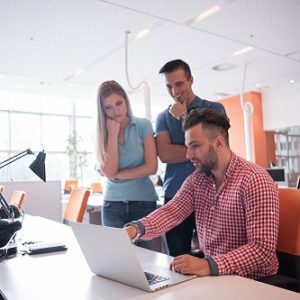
(236, 133)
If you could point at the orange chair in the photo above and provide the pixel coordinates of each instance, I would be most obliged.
(1, 188)
(17, 198)
(96, 187)
(69, 185)
(76, 206)
(288, 245)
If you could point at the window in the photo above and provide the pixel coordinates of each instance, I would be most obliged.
(287, 152)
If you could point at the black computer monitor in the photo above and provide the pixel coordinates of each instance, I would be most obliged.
(298, 183)
(278, 175)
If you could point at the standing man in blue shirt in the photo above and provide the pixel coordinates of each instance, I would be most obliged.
(171, 147)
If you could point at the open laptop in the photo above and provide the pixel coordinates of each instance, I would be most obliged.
(110, 254)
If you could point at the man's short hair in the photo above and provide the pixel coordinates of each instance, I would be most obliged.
(175, 65)
(210, 119)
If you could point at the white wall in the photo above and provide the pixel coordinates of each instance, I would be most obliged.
(42, 198)
(281, 107)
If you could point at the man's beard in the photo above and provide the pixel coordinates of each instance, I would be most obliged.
(209, 162)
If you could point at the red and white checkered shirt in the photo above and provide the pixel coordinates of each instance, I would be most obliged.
(237, 225)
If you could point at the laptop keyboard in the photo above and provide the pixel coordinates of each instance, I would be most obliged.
(153, 279)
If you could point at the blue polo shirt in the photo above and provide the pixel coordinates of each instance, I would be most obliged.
(131, 155)
(176, 173)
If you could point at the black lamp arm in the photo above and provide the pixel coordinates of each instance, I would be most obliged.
(14, 158)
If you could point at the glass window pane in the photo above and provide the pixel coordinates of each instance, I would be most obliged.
(57, 166)
(86, 128)
(57, 105)
(4, 131)
(56, 130)
(25, 102)
(85, 107)
(4, 100)
(19, 170)
(89, 173)
(3, 171)
(25, 131)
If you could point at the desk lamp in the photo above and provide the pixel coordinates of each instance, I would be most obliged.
(38, 165)
(9, 226)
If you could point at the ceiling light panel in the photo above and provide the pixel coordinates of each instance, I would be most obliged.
(257, 22)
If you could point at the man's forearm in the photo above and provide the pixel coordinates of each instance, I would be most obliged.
(172, 153)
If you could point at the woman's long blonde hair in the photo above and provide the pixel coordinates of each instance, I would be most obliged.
(105, 90)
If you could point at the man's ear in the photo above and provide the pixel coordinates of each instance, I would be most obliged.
(220, 141)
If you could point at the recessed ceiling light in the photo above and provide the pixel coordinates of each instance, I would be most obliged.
(258, 85)
(19, 86)
(242, 51)
(142, 33)
(292, 81)
(208, 13)
(224, 67)
(203, 15)
(221, 95)
(78, 72)
(2, 76)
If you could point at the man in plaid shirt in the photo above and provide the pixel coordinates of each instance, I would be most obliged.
(235, 202)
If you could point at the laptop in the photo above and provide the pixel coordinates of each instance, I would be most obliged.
(110, 254)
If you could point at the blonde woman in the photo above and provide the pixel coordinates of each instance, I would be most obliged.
(127, 156)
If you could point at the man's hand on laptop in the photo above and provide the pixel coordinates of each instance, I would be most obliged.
(187, 264)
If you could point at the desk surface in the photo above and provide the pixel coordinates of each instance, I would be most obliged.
(65, 275)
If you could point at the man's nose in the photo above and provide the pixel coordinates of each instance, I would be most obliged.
(176, 91)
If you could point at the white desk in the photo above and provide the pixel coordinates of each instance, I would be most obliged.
(65, 275)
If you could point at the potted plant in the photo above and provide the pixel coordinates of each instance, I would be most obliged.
(78, 159)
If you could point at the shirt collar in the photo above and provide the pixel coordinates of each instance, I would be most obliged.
(195, 103)
(132, 120)
(232, 165)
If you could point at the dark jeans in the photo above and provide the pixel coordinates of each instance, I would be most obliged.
(118, 213)
(179, 239)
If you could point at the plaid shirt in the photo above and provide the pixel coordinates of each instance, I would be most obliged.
(237, 225)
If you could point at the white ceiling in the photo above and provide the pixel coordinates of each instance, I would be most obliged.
(43, 43)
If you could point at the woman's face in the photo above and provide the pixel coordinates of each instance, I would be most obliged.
(115, 107)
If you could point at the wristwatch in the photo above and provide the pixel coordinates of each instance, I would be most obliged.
(182, 117)
(140, 229)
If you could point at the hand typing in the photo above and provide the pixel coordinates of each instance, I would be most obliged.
(187, 264)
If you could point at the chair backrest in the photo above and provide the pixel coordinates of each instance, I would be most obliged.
(288, 246)
(1, 188)
(76, 206)
(17, 198)
(289, 224)
(96, 187)
(70, 184)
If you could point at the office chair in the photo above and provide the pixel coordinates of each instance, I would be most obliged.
(76, 206)
(17, 198)
(1, 188)
(96, 187)
(288, 246)
(69, 185)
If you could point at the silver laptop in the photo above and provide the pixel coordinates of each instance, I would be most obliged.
(110, 254)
